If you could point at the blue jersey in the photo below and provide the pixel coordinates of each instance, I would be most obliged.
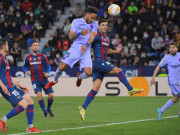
(38, 64)
(100, 46)
(4, 72)
(80, 24)
(173, 65)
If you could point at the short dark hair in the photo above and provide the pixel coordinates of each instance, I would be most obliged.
(2, 42)
(101, 21)
(34, 42)
(92, 10)
(173, 43)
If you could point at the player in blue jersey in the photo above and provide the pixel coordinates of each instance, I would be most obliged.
(14, 92)
(37, 65)
(101, 48)
(172, 61)
(83, 32)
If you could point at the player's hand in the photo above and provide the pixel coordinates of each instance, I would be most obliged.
(28, 72)
(46, 74)
(152, 81)
(23, 88)
(84, 32)
(119, 49)
(83, 49)
(5, 90)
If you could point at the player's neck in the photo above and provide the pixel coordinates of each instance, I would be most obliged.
(34, 53)
(102, 32)
(3, 53)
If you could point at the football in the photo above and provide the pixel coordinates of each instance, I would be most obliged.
(114, 10)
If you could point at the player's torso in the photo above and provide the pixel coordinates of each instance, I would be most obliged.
(82, 25)
(37, 67)
(5, 72)
(174, 67)
(100, 46)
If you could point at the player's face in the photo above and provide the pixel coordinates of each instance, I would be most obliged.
(103, 27)
(173, 49)
(35, 47)
(90, 17)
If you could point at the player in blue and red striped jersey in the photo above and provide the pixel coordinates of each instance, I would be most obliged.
(14, 92)
(101, 48)
(37, 65)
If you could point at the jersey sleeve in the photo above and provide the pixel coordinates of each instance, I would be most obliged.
(164, 61)
(94, 41)
(74, 25)
(46, 62)
(95, 27)
(26, 64)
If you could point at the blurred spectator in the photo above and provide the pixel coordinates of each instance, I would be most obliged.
(51, 62)
(46, 49)
(5, 29)
(15, 29)
(23, 45)
(137, 61)
(71, 16)
(67, 27)
(26, 5)
(146, 42)
(132, 8)
(39, 10)
(15, 52)
(57, 59)
(128, 49)
(157, 42)
(10, 59)
(50, 14)
(101, 10)
(10, 40)
(78, 12)
(116, 40)
(26, 29)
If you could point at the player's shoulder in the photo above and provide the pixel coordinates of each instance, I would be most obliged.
(95, 22)
(41, 54)
(77, 20)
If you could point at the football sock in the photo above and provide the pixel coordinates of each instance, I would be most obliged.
(50, 101)
(57, 75)
(168, 104)
(16, 110)
(89, 98)
(30, 115)
(124, 80)
(4, 119)
(83, 75)
(42, 105)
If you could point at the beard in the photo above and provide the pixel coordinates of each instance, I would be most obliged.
(173, 53)
(35, 51)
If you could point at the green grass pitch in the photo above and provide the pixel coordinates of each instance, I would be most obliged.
(103, 110)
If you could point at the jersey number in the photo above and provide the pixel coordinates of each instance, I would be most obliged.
(34, 86)
(15, 93)
(67, 55)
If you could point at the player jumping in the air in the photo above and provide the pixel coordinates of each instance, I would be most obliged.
(14, 92)
(37, 65)
(172, 61)
(101, 48)
(83, 32)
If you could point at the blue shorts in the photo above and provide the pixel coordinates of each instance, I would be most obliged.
(37, 85)
(16, 95)
(100, 68)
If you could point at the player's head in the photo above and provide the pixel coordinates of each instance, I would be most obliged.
(173, 48)
(35, 46)
(103, 26)
(4, 46)
(91, 14)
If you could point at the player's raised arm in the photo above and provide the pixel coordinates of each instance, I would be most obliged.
(118, 50)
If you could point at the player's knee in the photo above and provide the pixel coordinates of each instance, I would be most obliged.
(175, 100)
(62, 66)
(23, 103)
(50, 96)
(117, 70)
(88, 73)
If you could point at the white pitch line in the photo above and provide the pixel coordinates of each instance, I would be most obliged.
(102, 125)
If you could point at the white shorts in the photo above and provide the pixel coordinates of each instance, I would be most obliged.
(175, 89)
(74, 55)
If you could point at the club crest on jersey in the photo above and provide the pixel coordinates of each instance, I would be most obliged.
(7, 67)
(34, 58)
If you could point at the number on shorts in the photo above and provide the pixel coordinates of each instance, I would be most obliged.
(15, 93)
(67, 55)
(34, 86)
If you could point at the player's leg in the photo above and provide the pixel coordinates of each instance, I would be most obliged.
(123, 79)
(168, 104)
(50, 99)
(97, 79)
(30, 113)
(86, 65)
(17, 102)
(41, 103)
(71, 57)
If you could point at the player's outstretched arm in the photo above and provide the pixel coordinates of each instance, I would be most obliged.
(5, 90)
(73, 35)
(154, 74)
(16, 83)
(118, 50)
(90, 40)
